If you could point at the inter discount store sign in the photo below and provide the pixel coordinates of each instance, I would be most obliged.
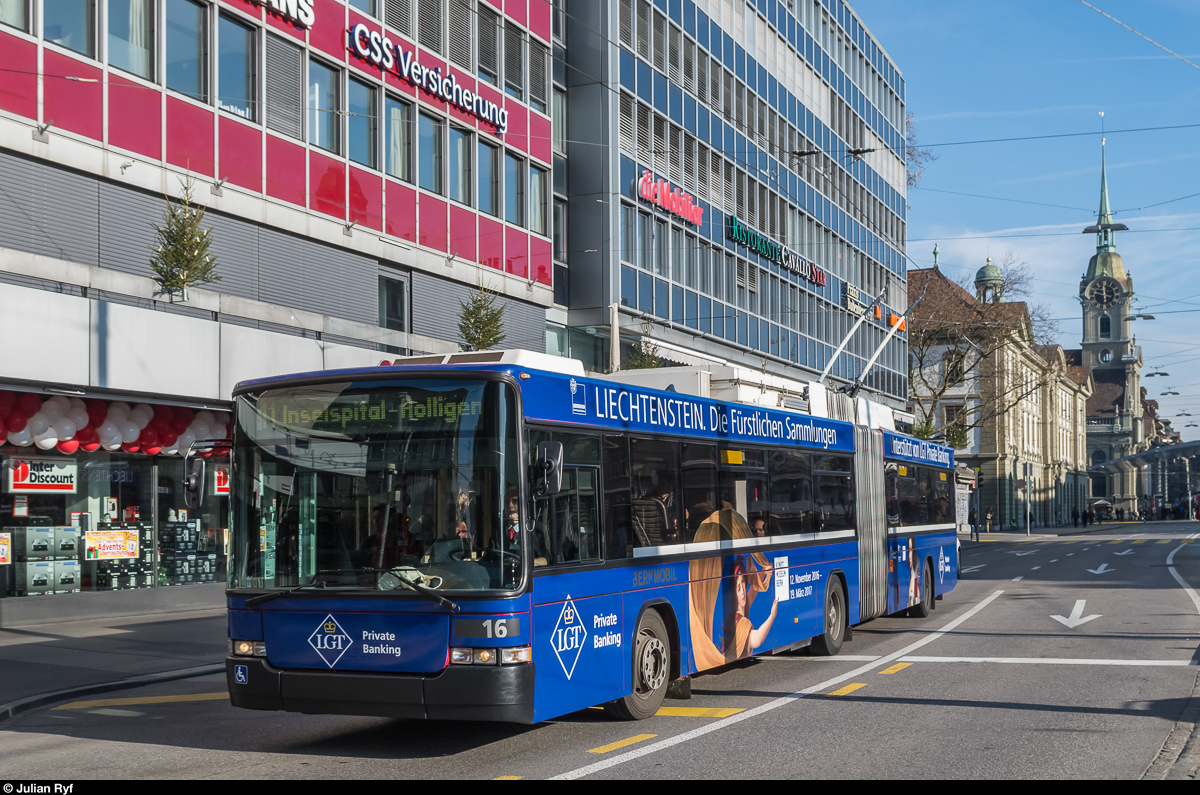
(41, 475)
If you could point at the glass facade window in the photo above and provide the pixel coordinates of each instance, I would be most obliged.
(366, 6)
(559, 121)
(363, 123)
(71, 24)
(560, 230)
(429, 152)
(324, 102)
(131, 34)
(538, 179)
(393, 304)
(514, 189)
(489, 179)
(15, 13)
(398, 146)
(237, 74)
(459, 163)
(187, 48)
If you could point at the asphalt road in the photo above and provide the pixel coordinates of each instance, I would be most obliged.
(1069, 657)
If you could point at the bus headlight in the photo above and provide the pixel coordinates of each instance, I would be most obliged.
(516, 655)
(248, 648)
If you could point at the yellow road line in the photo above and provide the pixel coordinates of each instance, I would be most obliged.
(1165, 541)
(637, 738)
(121, 702)
(697, 712)
(1141, 541)
(848, 689)
(507, 778)
(895, 668)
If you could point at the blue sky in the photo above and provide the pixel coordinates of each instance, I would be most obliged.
(985, 69)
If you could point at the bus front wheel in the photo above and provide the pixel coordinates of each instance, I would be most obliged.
(651, 671)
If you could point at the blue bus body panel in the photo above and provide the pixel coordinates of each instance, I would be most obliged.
(584, 621)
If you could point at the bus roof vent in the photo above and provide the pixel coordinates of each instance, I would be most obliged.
(476, 358)
(407, 360)
(518, 358)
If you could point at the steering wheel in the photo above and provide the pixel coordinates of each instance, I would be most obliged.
(458, 555)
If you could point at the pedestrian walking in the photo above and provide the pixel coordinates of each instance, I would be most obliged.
(987, 518)
(973, 520)
(1074, 517)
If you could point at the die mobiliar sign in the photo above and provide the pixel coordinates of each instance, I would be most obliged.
(667, 196)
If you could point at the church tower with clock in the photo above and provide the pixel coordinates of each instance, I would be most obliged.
(1114, 412)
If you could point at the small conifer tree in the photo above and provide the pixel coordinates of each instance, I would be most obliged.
(481, 321)
(181, 259)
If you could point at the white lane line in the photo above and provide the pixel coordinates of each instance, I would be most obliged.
(1182, 582)
(1017, 579)
(842, 657)
(1054, 661)
(784, 701)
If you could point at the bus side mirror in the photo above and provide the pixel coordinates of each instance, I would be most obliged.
(193, 485)
(547, 475)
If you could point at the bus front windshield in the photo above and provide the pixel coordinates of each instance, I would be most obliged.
(378, 485)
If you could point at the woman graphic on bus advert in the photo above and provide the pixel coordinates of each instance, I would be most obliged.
(743, 577)
(913, 587)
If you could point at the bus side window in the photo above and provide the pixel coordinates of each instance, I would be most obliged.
(654, 476)
(908, 495)
(791, 493)
(618, 535)
(699, 486)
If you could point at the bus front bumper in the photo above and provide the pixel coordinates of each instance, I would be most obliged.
(460, 692)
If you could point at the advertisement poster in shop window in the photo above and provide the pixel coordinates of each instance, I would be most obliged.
(111, 544)
(5, 549)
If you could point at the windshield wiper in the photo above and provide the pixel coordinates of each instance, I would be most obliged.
(255, 601)
(420, 589)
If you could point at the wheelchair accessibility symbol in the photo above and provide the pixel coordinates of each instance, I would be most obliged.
(241, 674)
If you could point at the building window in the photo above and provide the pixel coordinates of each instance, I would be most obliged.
(70, 24)
(560, 230)
(460, 163)
(393, 304)
(539, 76)
(1105, 327)
(537, 199)
(460, 17)
(236, 68)
(187, 48)
(15, 13)
(363, 123)
(559, 120)
(324, 102)
(429, 152)
(1106, 356)
(429, 22)
(370, 7)
(488, 34)
(130, 35)
(514, 62)
(514, 189)
(285, 87)
(489, 179)
(398, 117)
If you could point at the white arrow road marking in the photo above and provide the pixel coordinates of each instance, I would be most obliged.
(1076, 618)
(1022, 554)
(970, 569)
(1122, 554)
(1104, 569)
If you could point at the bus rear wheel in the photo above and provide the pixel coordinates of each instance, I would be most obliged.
(651, 671)
(830, 642)
(924, 607)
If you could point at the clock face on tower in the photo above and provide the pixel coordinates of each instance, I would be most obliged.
(1106, 292)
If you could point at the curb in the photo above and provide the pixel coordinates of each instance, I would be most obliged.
(14, 708)
(1179, 759)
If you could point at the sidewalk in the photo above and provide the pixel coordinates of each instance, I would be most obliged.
(51, 662)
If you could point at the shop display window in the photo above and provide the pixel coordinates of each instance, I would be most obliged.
(82, 509)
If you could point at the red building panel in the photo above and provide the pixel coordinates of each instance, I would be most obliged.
(18, 88)
(539, 137)
(326, 185)
(493, 96)
(515, 9)
(432, 212)
(516, 249)
(366, 199)
(134, 117)
(541, 260)
(283, 25)
(189, 137)
(491, 243)
(518, 126)
(285, 170)
(468, 83)
(329, 32)
(463, 240)
(75, 105)
(401, 208)
(240, 154)
(539, 19)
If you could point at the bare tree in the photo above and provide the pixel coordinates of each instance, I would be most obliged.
(1017, 285)
(916, 159)
(970, 362)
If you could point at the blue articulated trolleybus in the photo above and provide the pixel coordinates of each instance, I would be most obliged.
(487, 537)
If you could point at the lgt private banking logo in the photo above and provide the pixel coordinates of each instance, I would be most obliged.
(330, 641)
(568, 637)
